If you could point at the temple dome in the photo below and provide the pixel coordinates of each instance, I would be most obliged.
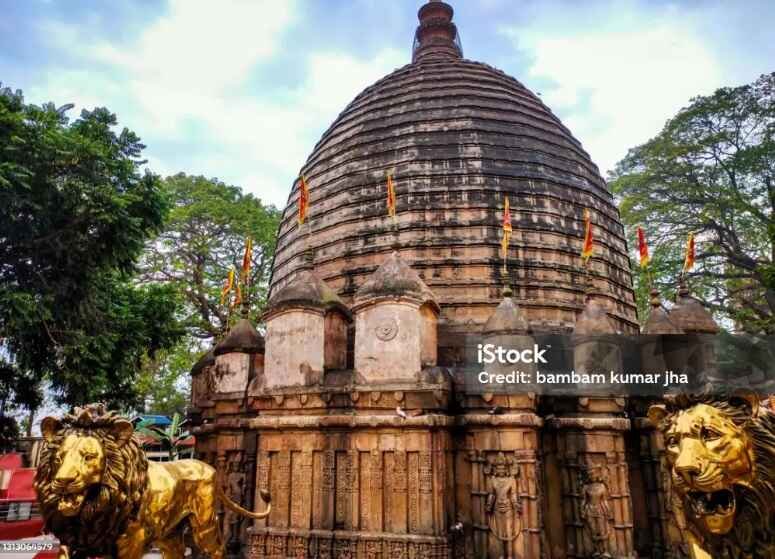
(458, 137)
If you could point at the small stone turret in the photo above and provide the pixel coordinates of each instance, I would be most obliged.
(594, 320)
(306, 331)
(239, 359)
(396, 318)
(592, 353)
(698, 357)
(508, 328)
(659, 322)
(690, 315)
(658, 352)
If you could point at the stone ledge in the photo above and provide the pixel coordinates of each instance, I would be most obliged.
(590, 423)
(350, 421)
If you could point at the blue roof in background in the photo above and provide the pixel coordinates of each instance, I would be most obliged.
(160, 420)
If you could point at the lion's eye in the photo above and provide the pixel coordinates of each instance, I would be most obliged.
(672, 440)
(709, 434)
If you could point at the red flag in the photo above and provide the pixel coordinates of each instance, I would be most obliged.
(391, 197)
(589, 241)
(506, 228)
(689, 258)
(643, 249)
(303, 199)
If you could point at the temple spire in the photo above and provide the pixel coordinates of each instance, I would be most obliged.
(436, 36)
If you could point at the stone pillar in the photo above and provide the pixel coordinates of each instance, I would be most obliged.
(498, 463)
(586, 456)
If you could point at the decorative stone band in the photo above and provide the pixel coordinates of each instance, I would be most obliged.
(267, 542)
(347, 421)
(316, 422)
(590, 423)
(502, 420)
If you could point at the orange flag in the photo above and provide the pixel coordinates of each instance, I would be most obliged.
(689, 258)
(391, 197)
(247, 259)
(303, 199)
(643, 249)
(228, 286)
(506, 229)
(589, 240)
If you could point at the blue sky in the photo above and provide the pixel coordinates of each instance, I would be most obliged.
(242, 90)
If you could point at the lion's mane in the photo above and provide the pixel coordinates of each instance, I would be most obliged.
(108, 506)
(755, 521)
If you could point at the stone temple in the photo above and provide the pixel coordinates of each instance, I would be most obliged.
(350, 410)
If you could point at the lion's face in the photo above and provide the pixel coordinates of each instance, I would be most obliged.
(79, 463)
(710, 455)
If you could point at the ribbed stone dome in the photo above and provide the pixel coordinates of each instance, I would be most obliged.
(458, 136)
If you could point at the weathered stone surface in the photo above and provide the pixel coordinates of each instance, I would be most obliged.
(458, 136)
(659, 322)
(243, 338)
(690, 315)
(364, 433)
(295, 354)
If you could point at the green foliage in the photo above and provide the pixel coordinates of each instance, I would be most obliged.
(711, 171)
(75, 214)
(169, 437)
(164, 380)
(9, 433)
(204, 236)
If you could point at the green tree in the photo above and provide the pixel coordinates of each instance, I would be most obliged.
(711, 171)
(203, 238)
(164, 380)
(75, 214)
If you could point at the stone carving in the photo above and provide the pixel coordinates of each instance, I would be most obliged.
(596, 513)
(235, 487)
(299, 547)
(503, 505)
(387, 329)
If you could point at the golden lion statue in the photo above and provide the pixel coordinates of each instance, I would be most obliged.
(721, 453)
(100, 496)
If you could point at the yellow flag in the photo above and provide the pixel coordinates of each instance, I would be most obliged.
(228, 286)
(689, 258)
(303, 199)
(589, 240)
(247, 259)
(391, 197)
(506, 229)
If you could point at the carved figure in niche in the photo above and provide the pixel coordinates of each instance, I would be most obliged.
(503, 504)
(235, 486)
(596, 512)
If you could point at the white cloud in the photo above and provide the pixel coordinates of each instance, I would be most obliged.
(616, 83)
(191, 71)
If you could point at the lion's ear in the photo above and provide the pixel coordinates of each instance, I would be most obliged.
(747, 398)
(657, 414)
(122, 430)
(49, 428)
